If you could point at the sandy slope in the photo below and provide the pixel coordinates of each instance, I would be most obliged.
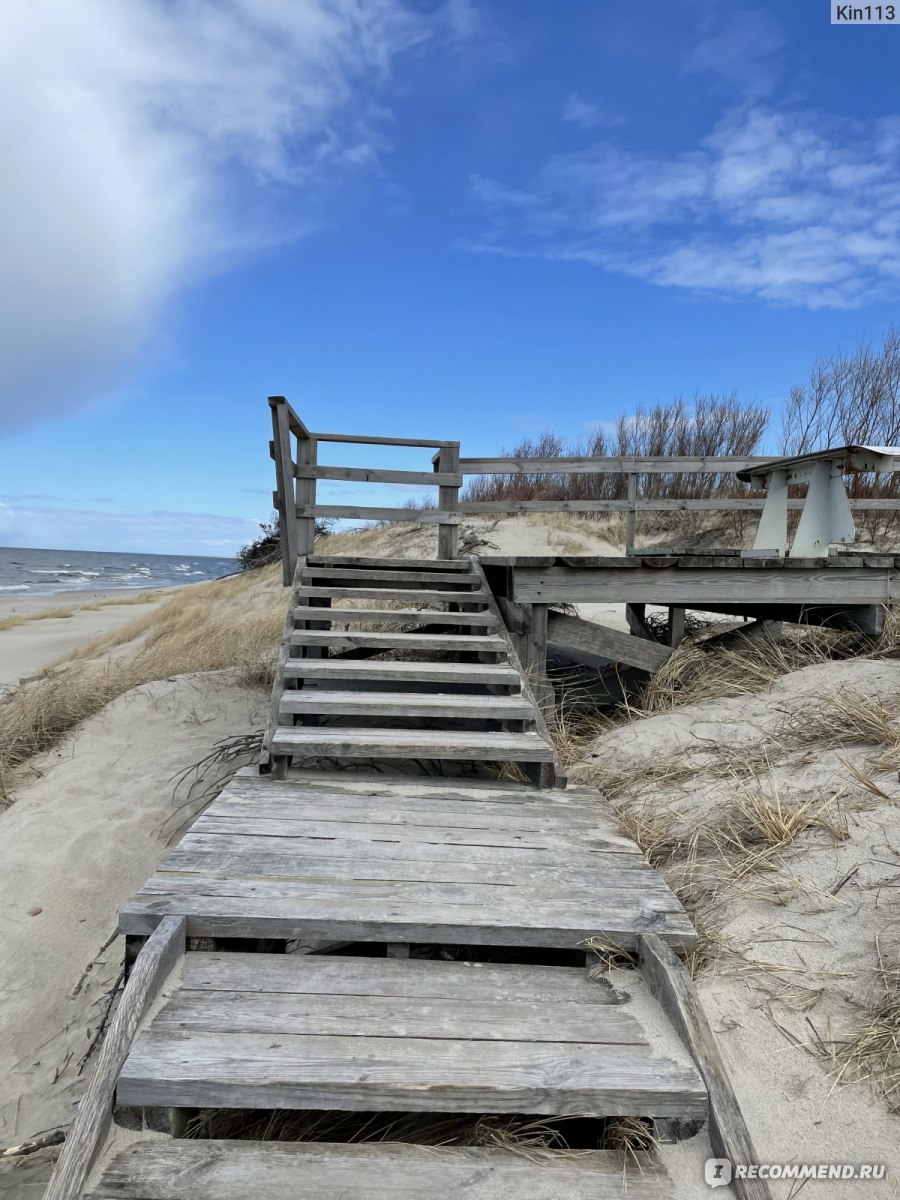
(83, 836)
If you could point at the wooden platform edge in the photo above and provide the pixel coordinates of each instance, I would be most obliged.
(671, 985)
(152, 967)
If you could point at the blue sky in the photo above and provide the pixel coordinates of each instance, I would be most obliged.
(465, 218)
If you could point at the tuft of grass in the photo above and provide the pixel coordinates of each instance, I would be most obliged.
(70, 610)
(873, 1050)
(845, 717)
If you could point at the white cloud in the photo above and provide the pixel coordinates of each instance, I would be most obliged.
(793, 209)
(740, 46)
(137, 139)
(580, 112)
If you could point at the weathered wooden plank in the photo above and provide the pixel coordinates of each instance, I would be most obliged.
(176, 1169)
(400, 616)
(89, 1129)
(411, 575)
(403, 564)
(461, 1017)
(359, 439)
(358, 512)
(407, 704)
(500, 898)
(605, 644)
(200, 1070)
(425, 979)
(360, 807)
(284, 651)
(468, 642)
(407, 595)
(471, 674)
(285, 499)
(457, 745)
(447, 462)
(604, 879)
(692, 587)
(672, 986)
(472, 849)
(373, 475)
(578, 465)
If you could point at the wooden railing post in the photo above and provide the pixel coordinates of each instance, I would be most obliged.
(629, 515)
(284, 497)
(447, 460)
(307, 455)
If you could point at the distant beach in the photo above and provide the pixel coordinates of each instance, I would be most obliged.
(27, 572)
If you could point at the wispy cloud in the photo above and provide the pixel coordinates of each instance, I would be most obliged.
(585, 115)
(790, 208)
(739, 46)
(148, 143)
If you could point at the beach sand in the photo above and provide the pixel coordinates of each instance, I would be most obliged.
(27, 649)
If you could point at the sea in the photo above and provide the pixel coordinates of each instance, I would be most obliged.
(45, 572)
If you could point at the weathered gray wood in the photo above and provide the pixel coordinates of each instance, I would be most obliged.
(401, 616)
(458, 1016)
(425, 979)
(448, 499)
(425, 443)
(630, 513)
(285, 498)
(602, 880)
(407, 704)
(211, 1070)
(469, 642)
(356, 512)
(688, 587)
(473, 674)
(411, 743)
(221, 1170)
(89, 1129)
(675, 626)
(403, 564)
(605, 644)
(672, 986)
(305, 497)
(390, 575)
(407, 595)
(370, 475)
(284, 651)
(647, 465)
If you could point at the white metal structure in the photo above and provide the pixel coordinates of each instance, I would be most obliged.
(826, 519)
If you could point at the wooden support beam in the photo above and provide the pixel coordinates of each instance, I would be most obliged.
(675, 626)
(89, 1129)
(670, 983)
(424, 516)
(439, 478)
(636, 616)
(447, 465)
(284, 497)
(605, 645)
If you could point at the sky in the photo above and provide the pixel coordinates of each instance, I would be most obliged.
(470, 219)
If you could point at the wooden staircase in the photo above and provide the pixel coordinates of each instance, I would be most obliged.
(347, 932)
(402, 661)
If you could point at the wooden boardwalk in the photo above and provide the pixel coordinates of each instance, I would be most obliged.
(393, 918)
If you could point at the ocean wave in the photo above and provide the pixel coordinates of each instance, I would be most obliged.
(16, 587)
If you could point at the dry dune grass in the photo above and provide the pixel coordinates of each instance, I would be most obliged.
(69, 610)
(228, 623)
(873, 1050)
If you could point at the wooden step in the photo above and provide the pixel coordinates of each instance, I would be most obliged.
(366, 638)
(337, 856)
(441, 745)
(401, 564)
(396, 616)
(475, 598)
(429, 705)
(433, 1047)
(376, 576)
(334, 671)
(179, 1169)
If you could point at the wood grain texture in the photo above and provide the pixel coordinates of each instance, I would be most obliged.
(467, 674)
(441, 745)
(376, 574)
(672, 986)
(375, 475)
(364, 638)
(605, 644)
(358, 512)
(418, 595)
(407, 704)
(403, 616)
(220, 1170)
(89, 1129)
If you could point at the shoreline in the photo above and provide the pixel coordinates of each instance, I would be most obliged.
(27, 648)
